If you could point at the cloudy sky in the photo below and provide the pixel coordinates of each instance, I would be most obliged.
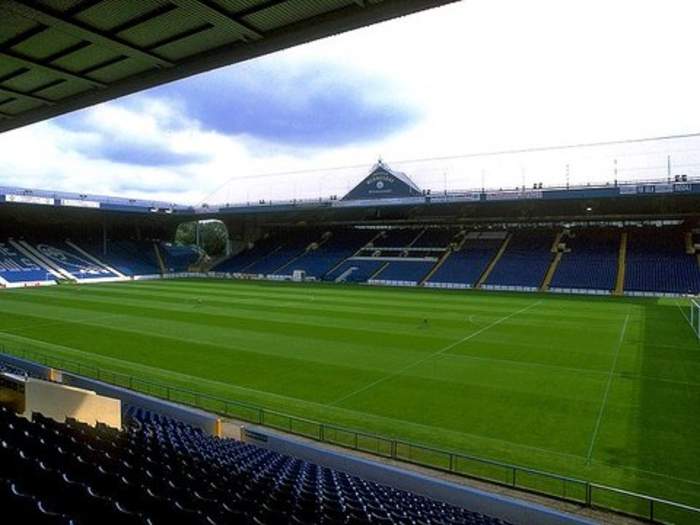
(476, 76)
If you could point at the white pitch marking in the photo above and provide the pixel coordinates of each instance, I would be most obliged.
(607, 390)
(435, 354)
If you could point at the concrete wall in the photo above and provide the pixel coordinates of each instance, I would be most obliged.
(197, 418)
(59, 402)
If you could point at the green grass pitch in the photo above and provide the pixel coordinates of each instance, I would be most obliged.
(604, 389)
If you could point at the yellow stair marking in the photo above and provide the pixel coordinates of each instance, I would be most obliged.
(549, 275)
(159, 258)
(621, 264)
(557, 241)
(493, 262)
(689, 245)
(550, 272)
(440, 262)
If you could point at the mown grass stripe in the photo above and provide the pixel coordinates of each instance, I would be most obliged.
(435, 354)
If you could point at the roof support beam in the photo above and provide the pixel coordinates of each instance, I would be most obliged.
(219, 17)
(48, 69)
(79, 30)
(25, 96)
(332, 22)
(259, 7)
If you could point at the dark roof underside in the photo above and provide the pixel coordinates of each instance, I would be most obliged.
(57, 56)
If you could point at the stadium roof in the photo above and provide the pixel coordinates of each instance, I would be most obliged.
(57, 56)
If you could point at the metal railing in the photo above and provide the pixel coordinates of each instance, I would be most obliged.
(585, 493)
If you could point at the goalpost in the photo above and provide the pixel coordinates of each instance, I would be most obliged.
(694, 317)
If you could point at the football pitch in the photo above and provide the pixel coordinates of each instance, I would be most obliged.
(602, 389)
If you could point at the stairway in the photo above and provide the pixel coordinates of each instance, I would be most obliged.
(558, 254)
(689, 244)
(340, 263)
(159, 258)
(343, 276)
(551, 271)
(310, 248)
(28, 251)
(415, 239)
(97, 261)
(621, 264)
(494, 261)
(378, 272)
(435, 268)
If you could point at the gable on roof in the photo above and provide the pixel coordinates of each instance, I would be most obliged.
(383, 183)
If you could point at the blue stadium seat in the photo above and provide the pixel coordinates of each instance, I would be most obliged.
(179, 258)
(355, 270)
(292, 246)
(466, 265)
(407, 271)
(66, 257)
(525, 260)
(343, 243)
(17, 268)
(128, 257)
(163, 471)
(240, 261)
(271, 253)
(435, 238)
(657, 262)
(592, 262)
(398, 237)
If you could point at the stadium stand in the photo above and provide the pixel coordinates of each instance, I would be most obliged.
(524, 262)
(398, 238)
(6, 368)
(70, 262)
(435, 238)
(179, 258)
(131, 258)
(293, 245)
(270, 254)
(240, 261)
(405, 271)
(468, 262)
(341, 244)
(17, 268)
(355, 270)
(590, 262)
(658, 262)
(162, 471)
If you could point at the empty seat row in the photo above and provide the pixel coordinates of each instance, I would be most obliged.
(163, 471)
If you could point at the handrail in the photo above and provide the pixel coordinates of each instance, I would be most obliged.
(570, 489)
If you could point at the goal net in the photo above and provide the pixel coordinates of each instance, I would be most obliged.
(694, 317)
